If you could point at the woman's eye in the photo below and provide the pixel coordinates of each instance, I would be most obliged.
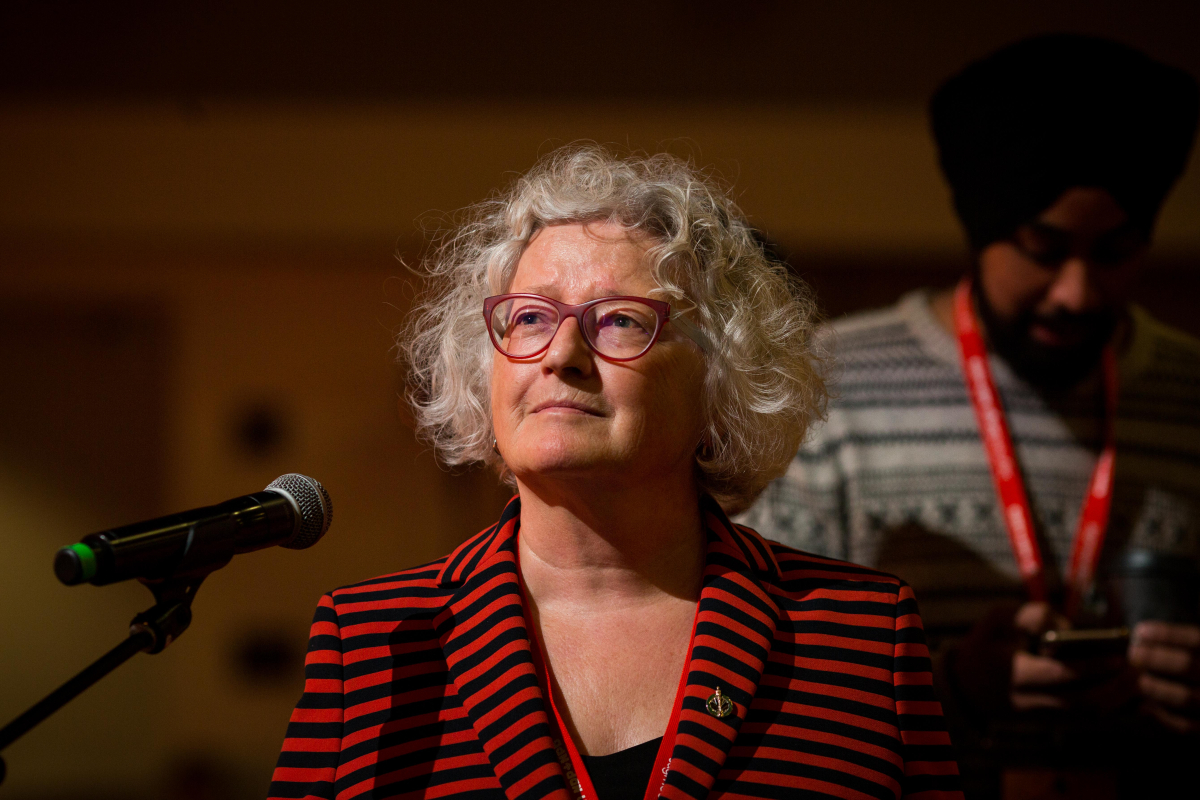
(529, 318)
(618, 320)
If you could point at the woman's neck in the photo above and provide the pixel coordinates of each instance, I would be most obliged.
(591, 549)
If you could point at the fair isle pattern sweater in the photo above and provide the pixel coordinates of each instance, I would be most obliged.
(897, 478)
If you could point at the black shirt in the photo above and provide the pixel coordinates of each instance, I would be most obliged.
(625, 774)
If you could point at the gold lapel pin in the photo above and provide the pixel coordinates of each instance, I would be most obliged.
(719, 705)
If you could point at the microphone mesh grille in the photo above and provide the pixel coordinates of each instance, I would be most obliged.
(316, 509)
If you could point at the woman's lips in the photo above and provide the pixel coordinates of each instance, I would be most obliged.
(565, 407)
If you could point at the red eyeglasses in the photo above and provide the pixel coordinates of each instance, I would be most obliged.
(616, 328)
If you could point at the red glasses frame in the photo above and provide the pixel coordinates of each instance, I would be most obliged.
(662, 313)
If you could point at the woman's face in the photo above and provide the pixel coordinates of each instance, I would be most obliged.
(568, 413)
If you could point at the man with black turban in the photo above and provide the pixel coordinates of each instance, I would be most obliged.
(1024, 448)
(1018, 131)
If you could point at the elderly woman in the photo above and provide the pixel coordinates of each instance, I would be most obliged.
(610, 335)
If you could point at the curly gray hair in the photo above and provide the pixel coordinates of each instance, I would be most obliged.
(763, 384)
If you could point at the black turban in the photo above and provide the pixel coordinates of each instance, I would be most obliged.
(1017, 129)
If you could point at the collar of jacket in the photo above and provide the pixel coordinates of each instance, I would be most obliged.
(488, 656)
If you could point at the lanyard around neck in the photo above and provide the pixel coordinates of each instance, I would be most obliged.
(578, 780)
(1010, 487)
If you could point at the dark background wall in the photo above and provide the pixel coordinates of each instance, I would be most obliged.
(201, 207)
(856, 50)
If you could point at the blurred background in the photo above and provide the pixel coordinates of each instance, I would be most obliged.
(203, 212)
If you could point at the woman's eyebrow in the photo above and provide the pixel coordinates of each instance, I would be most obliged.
(549, 290)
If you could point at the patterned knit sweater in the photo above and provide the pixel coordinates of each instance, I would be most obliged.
(897, 478)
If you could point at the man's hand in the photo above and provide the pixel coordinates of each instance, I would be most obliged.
(994, 672)
(1096, 684)
(1038, 681)
(1167, 657)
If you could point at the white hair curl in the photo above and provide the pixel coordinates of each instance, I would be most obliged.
(763, 385)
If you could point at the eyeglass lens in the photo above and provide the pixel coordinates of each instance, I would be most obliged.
(524, 326)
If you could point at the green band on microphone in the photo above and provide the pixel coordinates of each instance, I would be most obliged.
(87, 558)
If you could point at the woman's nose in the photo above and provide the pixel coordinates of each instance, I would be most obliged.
(568, 351)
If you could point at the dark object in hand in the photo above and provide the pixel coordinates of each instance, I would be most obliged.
(1070, 645)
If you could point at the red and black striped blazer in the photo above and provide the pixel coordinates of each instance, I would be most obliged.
(422, 684)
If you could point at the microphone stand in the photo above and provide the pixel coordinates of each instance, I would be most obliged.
(150, 632)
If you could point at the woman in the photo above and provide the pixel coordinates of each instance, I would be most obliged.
(642, 370)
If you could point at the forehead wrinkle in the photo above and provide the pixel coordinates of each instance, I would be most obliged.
(570, 262)
(548, 290)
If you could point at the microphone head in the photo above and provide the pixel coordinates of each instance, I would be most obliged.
(313, 503)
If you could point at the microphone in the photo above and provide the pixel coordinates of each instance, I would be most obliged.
(294, 511)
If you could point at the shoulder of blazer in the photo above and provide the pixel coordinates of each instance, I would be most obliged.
(389, 598)
(801, 572)
(420, 589)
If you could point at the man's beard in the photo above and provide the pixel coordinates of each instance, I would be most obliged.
(1053, 368)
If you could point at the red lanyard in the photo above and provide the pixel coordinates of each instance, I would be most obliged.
(1093, 519)
(578, 780)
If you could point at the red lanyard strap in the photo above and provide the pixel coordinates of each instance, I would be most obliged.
(578, 780)
(1010, 487)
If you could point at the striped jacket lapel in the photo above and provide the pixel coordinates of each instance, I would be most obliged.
(735, 627)
(487, 652)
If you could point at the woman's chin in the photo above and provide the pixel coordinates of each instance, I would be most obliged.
(560, 459)
(546, 466)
